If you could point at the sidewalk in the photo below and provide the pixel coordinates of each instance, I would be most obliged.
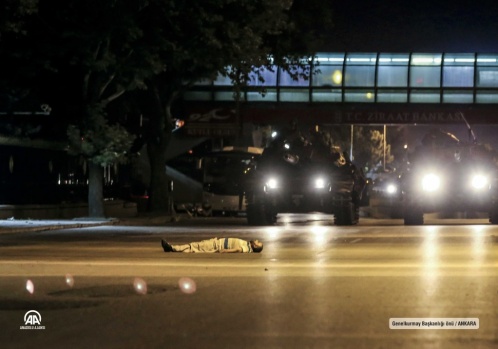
(31, 218)
(12, 225)
(32, 225)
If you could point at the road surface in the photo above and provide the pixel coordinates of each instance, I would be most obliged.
(314, 285)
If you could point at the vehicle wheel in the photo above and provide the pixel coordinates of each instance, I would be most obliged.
(413, 216)
(259, 216)
(346, 214)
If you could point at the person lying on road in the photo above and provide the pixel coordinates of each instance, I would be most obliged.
(220, 245)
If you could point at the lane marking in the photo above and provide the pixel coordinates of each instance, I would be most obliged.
(251, 264)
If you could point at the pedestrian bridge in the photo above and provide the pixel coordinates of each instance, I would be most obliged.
(350, 88)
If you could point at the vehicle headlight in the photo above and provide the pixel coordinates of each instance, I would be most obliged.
(391, 189)
(319, 183)
(431, 182)
(479, 181)
(272, 183)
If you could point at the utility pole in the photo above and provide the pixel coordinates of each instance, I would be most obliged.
(385, 128)
(351, 148)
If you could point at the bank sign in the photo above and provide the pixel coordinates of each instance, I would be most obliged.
(221, 120)
(400, 117)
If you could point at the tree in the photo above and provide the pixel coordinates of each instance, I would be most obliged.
(92, 43)
(368, 144)
(14, 15)
(369, 147)
(95, 51)
(103, 145)
(200, 39)
(15, 51)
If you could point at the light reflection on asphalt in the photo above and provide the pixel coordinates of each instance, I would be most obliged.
(313, 280)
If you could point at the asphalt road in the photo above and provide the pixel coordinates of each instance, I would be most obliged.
(314, 286)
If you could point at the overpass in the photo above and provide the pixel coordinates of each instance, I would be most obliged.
(355, 88)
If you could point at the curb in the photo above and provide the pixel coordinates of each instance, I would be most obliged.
(48, 227)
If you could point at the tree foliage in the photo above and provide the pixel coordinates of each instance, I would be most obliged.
(102, 143)
(93, 52)
(14, 15)
(368, 144)
(187, 41)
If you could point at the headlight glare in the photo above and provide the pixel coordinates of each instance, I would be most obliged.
(391, 189)
(431, 182)
(479, 181)
(319, 183)
(272, 183)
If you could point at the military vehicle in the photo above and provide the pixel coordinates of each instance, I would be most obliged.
(446, 174)
(303, 174)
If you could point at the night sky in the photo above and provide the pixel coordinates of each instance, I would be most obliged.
(414, 26)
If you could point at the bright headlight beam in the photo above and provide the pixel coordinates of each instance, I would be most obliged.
(391, 189)
(479, 181)
(431, 182)
(319, 183)
(272, 183)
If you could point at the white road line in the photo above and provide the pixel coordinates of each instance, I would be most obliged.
(368, 264)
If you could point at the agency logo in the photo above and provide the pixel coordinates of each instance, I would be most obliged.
(32, 321)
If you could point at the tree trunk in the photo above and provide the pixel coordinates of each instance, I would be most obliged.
(158, 138)
(158, 190)
(95, 190)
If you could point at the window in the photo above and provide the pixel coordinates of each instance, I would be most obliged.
(365, 96)
(330, 67)
(269, 77)
(330, 75)
(226, 96)
(222, 80)
(392, 96)
(487, 60)
(392, 70)
(487, 97)
(458, 96)
(329, 58)
(424, 96)
(487, 71)
(425, 70)
(294, 95)
(358, 76)
(287, 80)
(425, 77)
(487, 77)
(458, 76)
(392, 76)
(268, 95)
(334, 95)
(360, 70)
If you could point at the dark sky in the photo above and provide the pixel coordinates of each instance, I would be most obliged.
(414, 26)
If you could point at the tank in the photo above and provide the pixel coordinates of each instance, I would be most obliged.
(447, 175)
(303, 174)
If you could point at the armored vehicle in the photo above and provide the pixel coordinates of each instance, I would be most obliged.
(449, 175)
(302, 174)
